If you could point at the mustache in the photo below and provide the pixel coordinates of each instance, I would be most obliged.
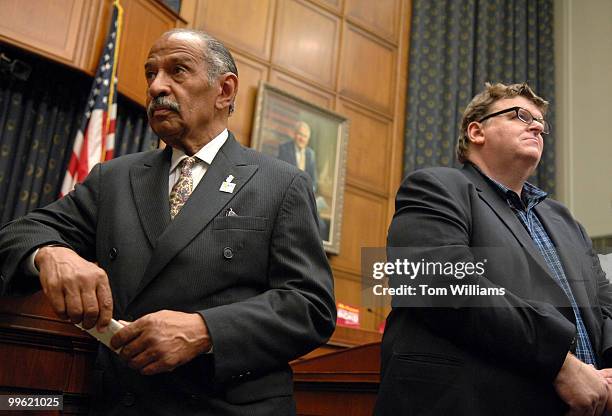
(162, 102)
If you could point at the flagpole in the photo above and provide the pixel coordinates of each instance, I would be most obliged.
(113, 81)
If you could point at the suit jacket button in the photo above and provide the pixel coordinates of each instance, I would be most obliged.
(112, 254)
(128, 399)
(228, 253)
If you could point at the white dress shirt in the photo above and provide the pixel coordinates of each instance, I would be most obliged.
(204, 158)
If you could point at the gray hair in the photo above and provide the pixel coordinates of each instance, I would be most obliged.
(217, 57)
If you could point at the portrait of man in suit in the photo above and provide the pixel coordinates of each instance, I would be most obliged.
(298, 153)
(313, 139)
(208, 252)
(541, 343)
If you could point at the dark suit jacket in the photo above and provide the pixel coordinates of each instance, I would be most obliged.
(502, 358)
(260, 279)
(286, 152)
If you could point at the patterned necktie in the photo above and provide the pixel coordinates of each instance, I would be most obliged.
(183, 187)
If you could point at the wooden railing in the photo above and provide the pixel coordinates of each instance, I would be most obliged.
(339, 383)
(41, 354)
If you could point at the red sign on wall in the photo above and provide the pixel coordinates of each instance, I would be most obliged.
(348, 316)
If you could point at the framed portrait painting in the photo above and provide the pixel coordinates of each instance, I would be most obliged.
(314, 140)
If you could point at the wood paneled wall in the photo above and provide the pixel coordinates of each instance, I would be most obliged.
(72, 32)
(349, 56)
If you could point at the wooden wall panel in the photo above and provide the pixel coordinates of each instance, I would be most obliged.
(248, 25)
(306, 41)
(302, 89)
(50, 26)
(334, 5)
(367, 70)
(63, 30)
(98, 19)
(348, 291)
(144, 22)
(370, 137)
(250, 73)
(363, 225)
(380, 17)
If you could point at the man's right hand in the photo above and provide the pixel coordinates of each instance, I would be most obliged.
(581, 387)
(607, 374)
(77, 289)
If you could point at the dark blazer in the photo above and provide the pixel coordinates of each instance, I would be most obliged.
(286, 152)
(500, 359)
(260, 279)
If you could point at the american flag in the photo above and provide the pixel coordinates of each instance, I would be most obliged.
(95, 140)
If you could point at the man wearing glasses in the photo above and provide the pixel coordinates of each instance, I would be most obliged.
(534, 336)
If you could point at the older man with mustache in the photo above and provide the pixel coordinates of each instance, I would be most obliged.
(207, 251)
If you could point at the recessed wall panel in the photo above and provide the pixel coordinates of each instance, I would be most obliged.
(306, 41)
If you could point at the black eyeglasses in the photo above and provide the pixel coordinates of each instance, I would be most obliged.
(524, 115)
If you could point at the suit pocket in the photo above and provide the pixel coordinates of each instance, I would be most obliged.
(276, 384)
(426, 367)
(426, 384)
(240, 223)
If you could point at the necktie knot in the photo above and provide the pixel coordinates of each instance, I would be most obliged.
(186, 165)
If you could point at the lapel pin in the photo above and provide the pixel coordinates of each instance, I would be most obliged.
(227, 185)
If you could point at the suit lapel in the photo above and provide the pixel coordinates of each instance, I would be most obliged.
(149, 182)
(558, 232)
(569, 255)
(505, 214)
(203, 205)
(292, 157)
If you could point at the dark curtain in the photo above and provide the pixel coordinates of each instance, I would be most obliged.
(132, 133)
(38, 123)
(458, 45)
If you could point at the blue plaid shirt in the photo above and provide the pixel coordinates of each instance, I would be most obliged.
(524, 210)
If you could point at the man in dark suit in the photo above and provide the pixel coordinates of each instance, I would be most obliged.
(532, 344)
(298, 153)
(209, 251)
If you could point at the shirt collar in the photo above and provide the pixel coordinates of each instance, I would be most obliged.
(206, 153)
(531, 195)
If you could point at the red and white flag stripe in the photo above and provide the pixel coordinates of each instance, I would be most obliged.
(95, 140)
